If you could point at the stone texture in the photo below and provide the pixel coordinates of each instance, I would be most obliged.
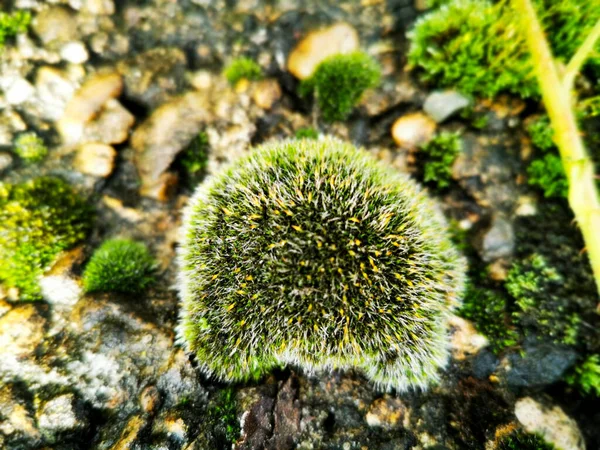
(441, 106)
(159, 139)
(266, 93)
(498, 241)
(551, 423)
(320, 44)
(87, 102)
(59, 417)
(388, 412)
(95, 159)
(413, 130)
(465, 341)
(154, 76)
(21, 330)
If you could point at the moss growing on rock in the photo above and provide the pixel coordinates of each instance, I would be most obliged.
(119, 265)
(38, 219)
(440, 153)
(312, 253)
(13, 24)
(339, 82)
(517, 439)
(551, 281)
(488, 309)
(30, 147)
(586, 376)
(242, 68)
(546, 170)
(475, 45)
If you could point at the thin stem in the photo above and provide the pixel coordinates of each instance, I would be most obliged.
(579, 168)
(580, 56)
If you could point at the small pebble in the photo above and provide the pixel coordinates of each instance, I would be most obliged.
(320, 44)
(413, 130)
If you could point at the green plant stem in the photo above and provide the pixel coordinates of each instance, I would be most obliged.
(557, 97)
(580, 56)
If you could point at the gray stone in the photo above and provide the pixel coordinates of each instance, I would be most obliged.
(55, 24)
(60, 416)
(154, 76)
(440, 106)
(540, 365)
(498, 241)
(6, 161)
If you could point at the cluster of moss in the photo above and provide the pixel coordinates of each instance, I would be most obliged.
(476, 45)
(586, 376)
(242, 69)
(313, 253)
(339, 82)
(487, 308)
(222, 419)
(30, 147)
(473, 46)
(440, 154)
(13, 24)
(194, 158)
(119, 265)
(531, 280)
(517, 439)
(546, 171)
(550, 281)
(38, 219)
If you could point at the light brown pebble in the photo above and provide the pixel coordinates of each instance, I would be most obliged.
(95, 159)
(319, 45)
(387, 412)
(266, 93)
(412, 130)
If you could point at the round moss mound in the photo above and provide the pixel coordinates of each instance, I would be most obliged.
(119, 265)
(312, 253)
(38, 219)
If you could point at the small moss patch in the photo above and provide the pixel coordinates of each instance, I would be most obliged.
(242, 68)
(339, 82)
(119, 265)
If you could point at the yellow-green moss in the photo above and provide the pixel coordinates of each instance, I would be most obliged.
(38, 219)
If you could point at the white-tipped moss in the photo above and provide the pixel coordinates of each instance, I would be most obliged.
(312, 253)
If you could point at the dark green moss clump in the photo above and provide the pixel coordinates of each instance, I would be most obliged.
(13, 24)
(195, 158)
(339, 82)
(222, 416)
(242, 68)
(488, 309)
(38, 220)
(313, 253)
(546, 170)
(119, 265)
(30, 147)
(440, 153)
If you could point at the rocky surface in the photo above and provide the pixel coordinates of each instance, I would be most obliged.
(120, 91)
